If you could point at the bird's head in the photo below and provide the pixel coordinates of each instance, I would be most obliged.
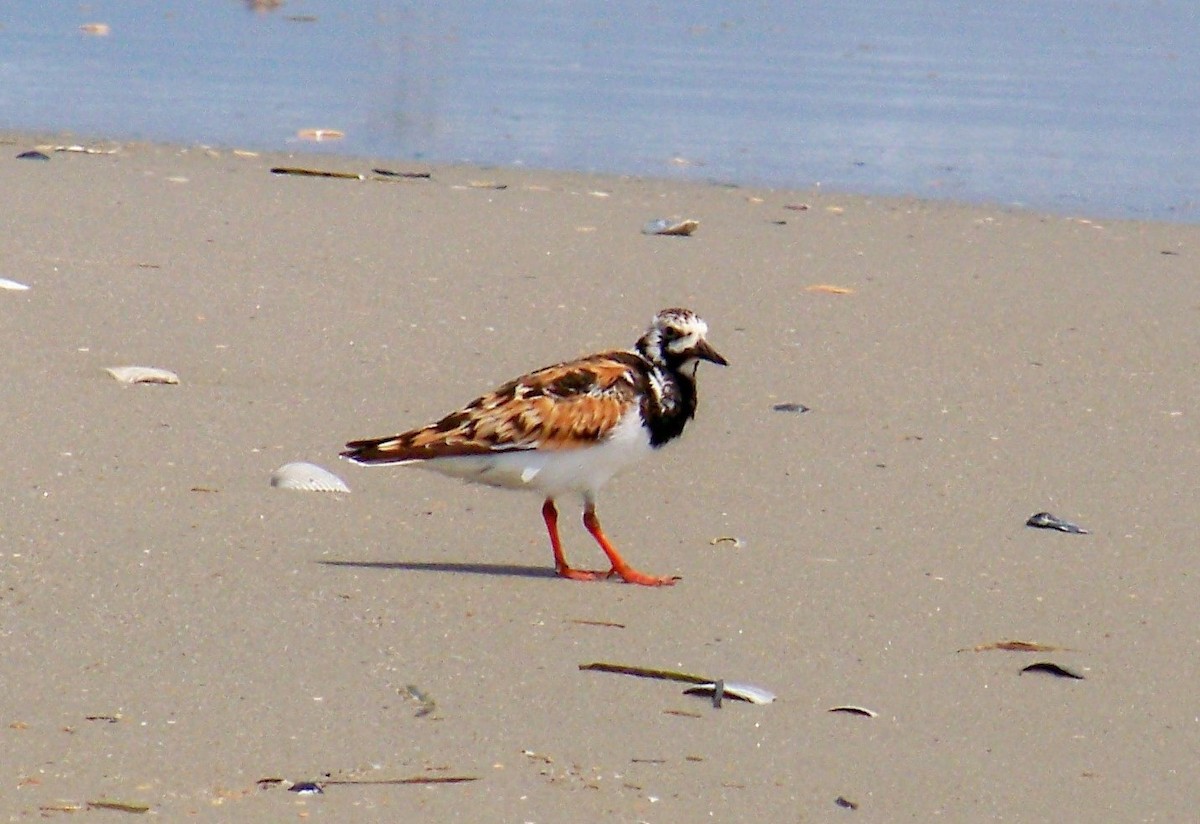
(677, 340)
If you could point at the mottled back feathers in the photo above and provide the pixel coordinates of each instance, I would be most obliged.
(564, 406)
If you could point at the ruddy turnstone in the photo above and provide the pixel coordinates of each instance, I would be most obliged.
(568, 428)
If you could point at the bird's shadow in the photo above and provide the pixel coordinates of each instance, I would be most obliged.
(510, 570)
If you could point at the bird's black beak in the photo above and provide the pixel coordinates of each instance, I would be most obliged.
(706, 352)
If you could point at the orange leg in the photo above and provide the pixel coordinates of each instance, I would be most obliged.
(619, 567)
(550, 515)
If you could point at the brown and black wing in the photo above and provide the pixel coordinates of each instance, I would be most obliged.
(565, 406)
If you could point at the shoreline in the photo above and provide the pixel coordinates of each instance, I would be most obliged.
(314, 151)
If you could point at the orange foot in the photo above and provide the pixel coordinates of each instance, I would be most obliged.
(632, 576)
(573, 574)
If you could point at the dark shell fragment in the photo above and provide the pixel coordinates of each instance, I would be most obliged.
(1044, 520)
(1051, 668)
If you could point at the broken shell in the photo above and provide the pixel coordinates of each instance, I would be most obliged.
(307, 477)
(142, 374)
(667, 226)
(726, 539)
(790, 407)
(318, 135)
(306, 788)
(428, 705)
(92, 150)
(734, 689)
(850, 709)
(33, 154)
(12, 285)
(1044, 520)
(1050, 668)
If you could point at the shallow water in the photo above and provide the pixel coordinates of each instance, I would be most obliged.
(1081, 108)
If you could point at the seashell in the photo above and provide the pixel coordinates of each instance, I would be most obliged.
(96, 29)
(1050, 668)
(306, 788)
(92, 150)
(733, 540)
(33, 154)
(790, 407)
(667, 226)
(851, 709)
(318, 135)
(12, 285)
(142, 374)
(734, 689)
(307, 477)
(427, 704)
(1044, 520)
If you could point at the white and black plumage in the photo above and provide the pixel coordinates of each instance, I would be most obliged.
(568, 428)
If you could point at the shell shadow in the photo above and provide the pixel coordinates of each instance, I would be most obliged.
(509, 570)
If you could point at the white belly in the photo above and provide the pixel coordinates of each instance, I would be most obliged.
(554, 472)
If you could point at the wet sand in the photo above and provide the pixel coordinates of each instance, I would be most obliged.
(178, 631)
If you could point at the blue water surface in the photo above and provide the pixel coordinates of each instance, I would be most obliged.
(1075, 107)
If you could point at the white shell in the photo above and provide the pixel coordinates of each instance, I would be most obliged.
(142, 374)
(12, 285)
(735, 689)
(308, 478)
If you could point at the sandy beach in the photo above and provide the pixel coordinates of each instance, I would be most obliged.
(182, 637)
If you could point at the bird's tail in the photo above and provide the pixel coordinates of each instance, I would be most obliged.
(380, 451)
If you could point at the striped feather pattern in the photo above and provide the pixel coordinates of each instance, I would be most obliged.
(566, 406)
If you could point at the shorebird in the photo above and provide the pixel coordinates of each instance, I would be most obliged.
(568, 428)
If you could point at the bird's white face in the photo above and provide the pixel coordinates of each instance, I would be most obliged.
(685, 337)
(680, 336)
